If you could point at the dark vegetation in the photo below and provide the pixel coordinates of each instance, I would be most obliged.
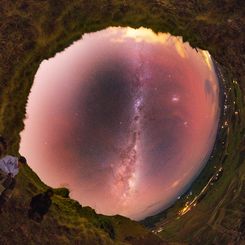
(33, 30)
(67, 222)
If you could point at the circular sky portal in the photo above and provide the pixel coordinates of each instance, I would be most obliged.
(125, 118)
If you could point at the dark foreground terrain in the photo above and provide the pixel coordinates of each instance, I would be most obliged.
(31, 31)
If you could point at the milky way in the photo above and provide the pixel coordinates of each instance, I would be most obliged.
(125, 118)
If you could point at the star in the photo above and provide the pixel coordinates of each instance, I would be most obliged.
(175, 98)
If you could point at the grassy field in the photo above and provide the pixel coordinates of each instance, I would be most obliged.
(66, 223)
(33, 30)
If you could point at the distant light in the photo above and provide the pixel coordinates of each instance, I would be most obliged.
(160, 229)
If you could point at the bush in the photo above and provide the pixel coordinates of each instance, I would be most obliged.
(63, 192)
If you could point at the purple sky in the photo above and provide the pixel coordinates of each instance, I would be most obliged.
(124, 118)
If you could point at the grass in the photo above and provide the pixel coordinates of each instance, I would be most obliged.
(31, 31)
(67, 221)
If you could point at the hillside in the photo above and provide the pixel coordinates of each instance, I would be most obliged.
(31, 31)
(66, 223)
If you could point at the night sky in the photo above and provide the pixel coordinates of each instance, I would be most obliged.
(125, 118)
